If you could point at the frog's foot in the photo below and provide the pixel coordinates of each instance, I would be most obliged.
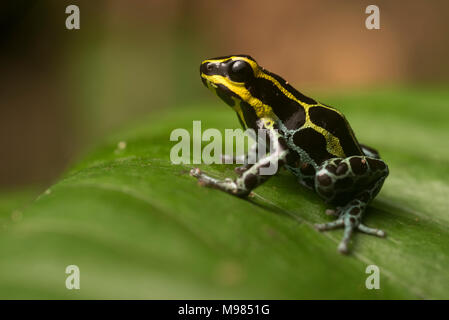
(349, 228)
(227, 185)
(236, 187)
(349, 219)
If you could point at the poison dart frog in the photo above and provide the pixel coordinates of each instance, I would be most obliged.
(314, 141)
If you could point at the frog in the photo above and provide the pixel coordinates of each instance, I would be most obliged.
(312, 140)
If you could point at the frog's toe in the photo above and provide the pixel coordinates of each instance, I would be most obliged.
(372, 231)
(203, 179)
(343, 246)
(196, 172)
(330, 225)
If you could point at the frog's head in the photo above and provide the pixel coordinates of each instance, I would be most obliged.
(230, 77)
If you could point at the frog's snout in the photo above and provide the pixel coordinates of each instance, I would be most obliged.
(210, 68)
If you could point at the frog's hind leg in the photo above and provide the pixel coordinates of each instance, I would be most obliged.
(353, 182)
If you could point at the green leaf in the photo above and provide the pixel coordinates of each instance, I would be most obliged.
(138, 226)
(12, 202)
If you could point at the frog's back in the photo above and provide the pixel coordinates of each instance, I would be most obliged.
(321, 131)
(339, 138)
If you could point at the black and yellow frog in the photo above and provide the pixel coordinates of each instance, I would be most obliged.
(312, 140)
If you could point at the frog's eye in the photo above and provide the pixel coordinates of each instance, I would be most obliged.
(240, 71)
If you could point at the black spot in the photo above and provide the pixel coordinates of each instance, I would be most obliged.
(324, 179)
(354, 211)
(352, 220)
(341, 169)
(358, 165)
(331, 168)
(309, 182)
(344, 183)
(307, 169)
(250, 181)
(336, 124)
(365, 197)
(342, 198)
(313, 143)
(376, 164)
(363, 182)
(326, 193)
(293, 159)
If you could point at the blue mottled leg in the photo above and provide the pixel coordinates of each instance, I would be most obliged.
(355, 181)
(343, 246)
(249, 180)
(330, 225)
(350, 219)
(245, 159)
(372, 231)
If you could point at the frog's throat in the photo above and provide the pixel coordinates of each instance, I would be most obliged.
(237, 101)
(262, 110)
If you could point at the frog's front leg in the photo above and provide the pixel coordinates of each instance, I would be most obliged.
(251, 177)
(352, 183)
(244, 159)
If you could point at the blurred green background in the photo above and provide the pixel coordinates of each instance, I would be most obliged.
(131, 74)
